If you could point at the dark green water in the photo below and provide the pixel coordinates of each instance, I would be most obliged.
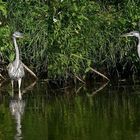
(71, 114)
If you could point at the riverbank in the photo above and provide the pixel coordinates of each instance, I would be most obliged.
(70, 39)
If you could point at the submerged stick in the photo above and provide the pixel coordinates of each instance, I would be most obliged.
(29, 87)
(99, 73)
(30, 71)
(95, 92)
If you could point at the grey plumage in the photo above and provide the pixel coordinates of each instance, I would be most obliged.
(16, 73)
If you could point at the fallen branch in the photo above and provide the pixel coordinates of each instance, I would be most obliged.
(2, 77)
(90, 68)
(99, 73)
(79, 79)
(30, 71)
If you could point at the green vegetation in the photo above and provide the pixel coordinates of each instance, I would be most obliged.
(65, 38)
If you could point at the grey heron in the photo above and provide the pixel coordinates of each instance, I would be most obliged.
(136, 34)
(16, 69)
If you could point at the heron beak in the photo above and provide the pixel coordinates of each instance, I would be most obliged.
(127, 34)
(123, 35)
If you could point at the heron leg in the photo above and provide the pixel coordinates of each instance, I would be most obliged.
(19, 85)
(12, 83)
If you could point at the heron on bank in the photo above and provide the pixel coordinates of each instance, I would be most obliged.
(16, 69)
(136, 34)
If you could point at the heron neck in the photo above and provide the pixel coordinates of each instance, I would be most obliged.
(16, 49)
(139, 46)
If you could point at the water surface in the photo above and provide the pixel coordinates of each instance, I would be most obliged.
(78, 113)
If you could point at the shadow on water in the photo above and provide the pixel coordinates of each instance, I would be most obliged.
(103, 112)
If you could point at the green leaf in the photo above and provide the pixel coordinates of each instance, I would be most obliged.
(87, 69)
(3, 8)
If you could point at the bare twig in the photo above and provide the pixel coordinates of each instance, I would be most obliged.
(2, 77)
(90, 68)
(79, 79)
(99, 73)
(30, 71)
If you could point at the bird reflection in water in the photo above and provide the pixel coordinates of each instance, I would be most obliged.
(17, 107)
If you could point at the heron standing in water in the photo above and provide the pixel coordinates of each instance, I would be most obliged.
(16, 68)
(136, 34)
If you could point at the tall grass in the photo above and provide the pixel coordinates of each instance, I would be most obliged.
(65, 38)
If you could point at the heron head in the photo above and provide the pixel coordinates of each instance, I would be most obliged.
(17, 35)
(133, 33)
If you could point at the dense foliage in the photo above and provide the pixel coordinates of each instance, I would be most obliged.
(65, 38)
